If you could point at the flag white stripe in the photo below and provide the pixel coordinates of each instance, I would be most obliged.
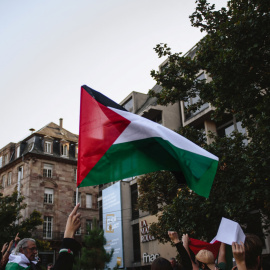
(141, 128)
(20, 259)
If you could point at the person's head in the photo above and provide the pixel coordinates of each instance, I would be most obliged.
(27, 246)
(173, 262)
(161, 264)
(253, 251)
(49, 266)
(206, 259)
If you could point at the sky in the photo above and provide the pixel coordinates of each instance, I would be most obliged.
(49, 49)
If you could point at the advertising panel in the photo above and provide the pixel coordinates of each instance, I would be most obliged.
(112, 223)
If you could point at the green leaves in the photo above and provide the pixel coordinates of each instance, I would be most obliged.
(10, 212)
(235, 55)
(154, 192)
(94, 256)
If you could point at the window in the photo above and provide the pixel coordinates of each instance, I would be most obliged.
(88, 201)
(5, 159)
(100, 213)
(164, 67)
(129, 105)
(134, 201)
(47, 227)
(242, 130)
(3, 181)
(136, 243)
(1, 160)
(79, 198)
(88, 226)
(153, 115)
(64, 149)
(79, 231)
(76, 151)
(48, 195)
(9, 179)
(48, 147)
(47, 170)
(20, 172)
(194, 100)
(228, 128)
(158, 118)
(17, 151)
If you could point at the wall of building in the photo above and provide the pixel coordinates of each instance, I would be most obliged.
(150, 247)
(61, 181)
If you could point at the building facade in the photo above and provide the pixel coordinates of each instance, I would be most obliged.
(43, 169)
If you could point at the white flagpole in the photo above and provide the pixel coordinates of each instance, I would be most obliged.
(77, 189)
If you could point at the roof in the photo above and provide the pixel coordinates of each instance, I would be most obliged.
(55, 131)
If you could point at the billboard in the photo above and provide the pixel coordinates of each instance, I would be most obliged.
(112, 223)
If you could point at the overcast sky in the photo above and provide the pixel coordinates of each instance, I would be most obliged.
(48, 49)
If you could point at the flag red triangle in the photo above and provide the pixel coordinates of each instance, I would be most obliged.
(99, 128)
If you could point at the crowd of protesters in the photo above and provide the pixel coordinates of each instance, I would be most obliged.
(22, 254)
(247, 256)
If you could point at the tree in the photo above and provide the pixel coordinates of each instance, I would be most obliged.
(235, 54)
(94, 255)
(186, 212)
(10, 213)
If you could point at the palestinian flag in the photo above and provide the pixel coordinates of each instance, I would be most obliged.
(115, 144)
(196, 245)
(15, 266)
(18, 262)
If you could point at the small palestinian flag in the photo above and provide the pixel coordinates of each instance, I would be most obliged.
(18, 262)
(196, 245)
(115, 144)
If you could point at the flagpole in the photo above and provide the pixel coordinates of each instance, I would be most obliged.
(77, 189)
(77, 193)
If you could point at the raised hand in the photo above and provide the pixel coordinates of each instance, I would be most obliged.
(9, 246)
(239, 255)
(185, 240)
(17, 238)
(174, 237)
(73, 223)
(4, 247)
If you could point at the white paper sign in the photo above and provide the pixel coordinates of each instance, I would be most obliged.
(229, 231)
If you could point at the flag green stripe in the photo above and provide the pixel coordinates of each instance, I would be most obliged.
(15, 266)
(153, 154)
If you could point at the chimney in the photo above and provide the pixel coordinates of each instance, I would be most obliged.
(32, 130)
(61, 122)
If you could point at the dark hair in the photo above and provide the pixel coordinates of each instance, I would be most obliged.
(253, 249)
(161, 264)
